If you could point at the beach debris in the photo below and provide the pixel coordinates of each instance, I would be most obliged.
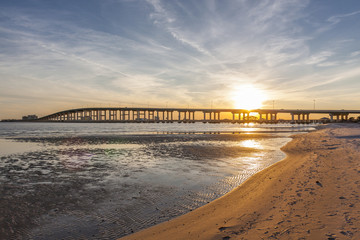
(319, 183)
(222, 228)
(331, 236)
(347, 233)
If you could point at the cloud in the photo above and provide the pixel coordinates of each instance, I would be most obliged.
(334, 20)
(355, 54)
(338, 18)
(319, 57)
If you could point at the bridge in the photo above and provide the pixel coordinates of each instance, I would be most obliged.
(190, 115)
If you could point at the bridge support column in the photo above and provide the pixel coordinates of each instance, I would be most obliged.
(275, 117)
(122, 115)
(127, 115)
(93, 115)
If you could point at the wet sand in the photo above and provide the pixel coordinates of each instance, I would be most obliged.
(314, 193)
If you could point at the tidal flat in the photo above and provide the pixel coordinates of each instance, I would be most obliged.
(88, 183)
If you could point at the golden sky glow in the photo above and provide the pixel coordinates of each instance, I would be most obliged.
(248, 97)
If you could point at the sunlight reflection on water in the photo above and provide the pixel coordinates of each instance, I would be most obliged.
(251, 144)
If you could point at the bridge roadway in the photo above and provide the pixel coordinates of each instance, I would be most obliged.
(125, 114)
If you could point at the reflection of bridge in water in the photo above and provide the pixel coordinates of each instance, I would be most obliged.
(188, 115)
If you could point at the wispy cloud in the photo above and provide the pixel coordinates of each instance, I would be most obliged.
(355, 54)
(338, 18)
(319, 57)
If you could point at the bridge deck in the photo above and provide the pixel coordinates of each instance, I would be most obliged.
(125, 114)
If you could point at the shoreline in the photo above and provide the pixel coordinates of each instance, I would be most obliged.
(311, 194)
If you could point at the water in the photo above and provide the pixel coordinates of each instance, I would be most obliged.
(107, 180)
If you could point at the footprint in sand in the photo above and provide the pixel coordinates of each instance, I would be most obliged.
(222, 228)
(319, 183)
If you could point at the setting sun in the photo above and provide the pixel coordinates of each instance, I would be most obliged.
(248, 97)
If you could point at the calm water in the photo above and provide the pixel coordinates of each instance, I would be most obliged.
(104, 181)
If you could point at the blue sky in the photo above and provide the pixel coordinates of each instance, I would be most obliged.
(65, 54)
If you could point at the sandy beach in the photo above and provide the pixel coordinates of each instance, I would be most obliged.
(312, 194)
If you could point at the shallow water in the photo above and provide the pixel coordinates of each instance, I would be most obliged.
(104, 181)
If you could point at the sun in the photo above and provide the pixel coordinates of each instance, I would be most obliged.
(248, 97)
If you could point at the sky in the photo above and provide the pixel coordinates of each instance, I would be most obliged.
(62, 54)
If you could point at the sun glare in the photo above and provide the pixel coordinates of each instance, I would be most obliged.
(248, 97)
